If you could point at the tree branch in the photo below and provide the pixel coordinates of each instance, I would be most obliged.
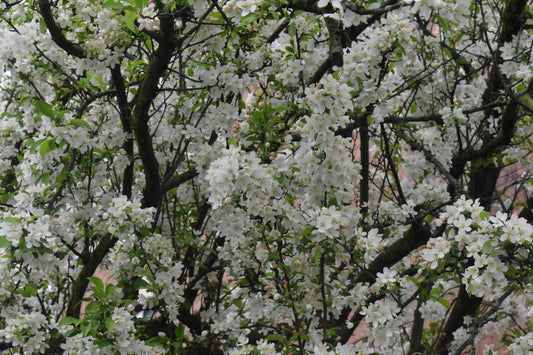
(57, 33)
(348, 36)
(125, 119)
(79, 287)
(418, 234)
(140, 116)
(179, 179)
(415, 346)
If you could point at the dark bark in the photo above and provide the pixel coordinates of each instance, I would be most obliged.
(465, 305)
(57, 33)
(125, 119)
(79, 287)
(417, 235)
(179, 179)
(140, 116)
(415, 346)
(527, 211)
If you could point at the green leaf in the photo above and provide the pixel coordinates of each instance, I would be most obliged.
(111, 289)
(45, 108)
(435, 291)
(180, 331)
(109, 325)
(176, 344)
(129, 20)
(488, 248)
(447, 52)
(45, 178)
(443, 302)
(360, 82)
(68, 320)
(102, 343)
(100, 294)
(275, 337)
(80, 123)
(28, 291)
(238, 303)
(145, 231)
(4, 243)
(511, 271)
(42, 26)
(44, 250)
(217, 17)
(147, 274)
(484, 215)
(113, 4)
(22, 244)
(291, 30)
(528, 101)
(232, 142)
(317, 256)
(62, 175)
(274, 15)
(252, 16)
(11, 219)
(443, 24)
(72, 332)
(47, 146)
(85, 329)
(414, 280)
(521, 87)
(92, 307)
(98, 283)
(140, 284)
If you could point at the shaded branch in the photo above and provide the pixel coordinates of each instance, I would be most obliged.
(57, 33)
(79, 287)
(386, 7)
(125, 117)
(277, 31)
(140, 116)
(179, 179)
(417, 235)
(527, 211)
(485, 318)
(348, 35)
(415, 346)
(347, 130)
(465, 305)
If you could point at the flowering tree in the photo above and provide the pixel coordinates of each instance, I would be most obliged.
(265, 176)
